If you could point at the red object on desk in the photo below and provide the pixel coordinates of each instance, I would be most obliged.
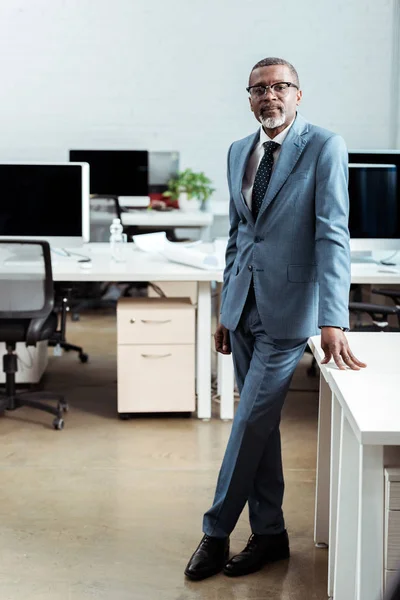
(156, 198)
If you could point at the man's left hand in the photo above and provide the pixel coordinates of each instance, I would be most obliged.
(334, 343)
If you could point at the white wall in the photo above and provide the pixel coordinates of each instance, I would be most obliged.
(170, 74)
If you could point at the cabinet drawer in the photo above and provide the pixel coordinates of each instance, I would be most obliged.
(156, 378)
(392, 539)
(155, 321)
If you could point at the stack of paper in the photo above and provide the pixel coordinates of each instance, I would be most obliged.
(187, 254)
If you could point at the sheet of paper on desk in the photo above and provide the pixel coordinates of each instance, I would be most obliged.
(193, 257)
(193, 254)
(150, 242)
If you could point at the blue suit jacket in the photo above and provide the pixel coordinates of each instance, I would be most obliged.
(298, 250)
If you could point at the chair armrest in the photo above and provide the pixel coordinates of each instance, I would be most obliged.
(33, 334)
(377, 311)
(392, 294)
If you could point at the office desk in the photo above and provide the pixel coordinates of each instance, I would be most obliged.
(359, 415)
(156, 218)
(362, 274)
(140, 266)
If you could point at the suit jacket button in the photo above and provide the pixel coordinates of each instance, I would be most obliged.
(250, 268)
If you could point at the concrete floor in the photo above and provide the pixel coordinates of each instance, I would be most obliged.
(112, 510)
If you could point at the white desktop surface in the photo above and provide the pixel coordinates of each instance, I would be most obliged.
(371, 273)
(371, 402)
(380, 351)
(368, 395)
(139, 266)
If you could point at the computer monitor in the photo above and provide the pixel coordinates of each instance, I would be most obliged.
(45, 201)
(374, 194)
(163, 166)
(117, 173)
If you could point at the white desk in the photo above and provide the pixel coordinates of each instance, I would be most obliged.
(140, 266)
(156, 218)
(374, 274)
(359, 415)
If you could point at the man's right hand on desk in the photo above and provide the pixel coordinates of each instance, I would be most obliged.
(222, 340)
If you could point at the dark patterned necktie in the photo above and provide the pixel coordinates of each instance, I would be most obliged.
(262, 177)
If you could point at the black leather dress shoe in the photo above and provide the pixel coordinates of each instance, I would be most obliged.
(260, 550)
(208, 559)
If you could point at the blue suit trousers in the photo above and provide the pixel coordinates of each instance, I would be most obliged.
(251, 470)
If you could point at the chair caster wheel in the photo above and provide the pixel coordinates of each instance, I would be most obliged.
(75, 317)
(83, 357)
(65, 407)
(58, 423)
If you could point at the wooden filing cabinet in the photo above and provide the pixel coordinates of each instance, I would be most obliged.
(156, 355)
(392, 523)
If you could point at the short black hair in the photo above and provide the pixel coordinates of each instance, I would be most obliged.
(273, 60)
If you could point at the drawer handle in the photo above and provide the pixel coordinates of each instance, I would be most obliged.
(132, 321)
(155, 321)
(156, 355)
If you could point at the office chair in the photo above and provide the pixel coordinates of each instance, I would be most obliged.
(378, 314)
(26, 315)
(394, 295)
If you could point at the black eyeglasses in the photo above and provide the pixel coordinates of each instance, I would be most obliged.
(280, 89)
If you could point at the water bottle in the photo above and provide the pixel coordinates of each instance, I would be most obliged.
(117, 241)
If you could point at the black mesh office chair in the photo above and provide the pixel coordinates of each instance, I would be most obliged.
(378, 313)
(26, 315)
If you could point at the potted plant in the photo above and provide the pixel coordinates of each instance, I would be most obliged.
(192, 190)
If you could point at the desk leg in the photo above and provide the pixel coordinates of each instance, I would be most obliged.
(347, 508)
(335, 454)
(226, 386)
(370, 524)
(321, 523)
(203, 350)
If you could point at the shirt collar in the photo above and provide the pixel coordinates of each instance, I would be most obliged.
(279, 139)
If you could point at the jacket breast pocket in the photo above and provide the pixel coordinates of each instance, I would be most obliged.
(302, 273)
(299, 175)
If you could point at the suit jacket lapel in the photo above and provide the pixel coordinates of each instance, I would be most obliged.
(243, 159)
(290, 153)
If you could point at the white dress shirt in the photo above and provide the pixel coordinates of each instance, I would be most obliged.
(255, 158)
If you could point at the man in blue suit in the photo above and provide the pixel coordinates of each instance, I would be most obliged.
(287, 277)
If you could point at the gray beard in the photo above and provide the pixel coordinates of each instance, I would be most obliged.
(273, 122)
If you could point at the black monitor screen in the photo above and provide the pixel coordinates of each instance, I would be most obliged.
(115, 172)
(374, 194)
(40, 200)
